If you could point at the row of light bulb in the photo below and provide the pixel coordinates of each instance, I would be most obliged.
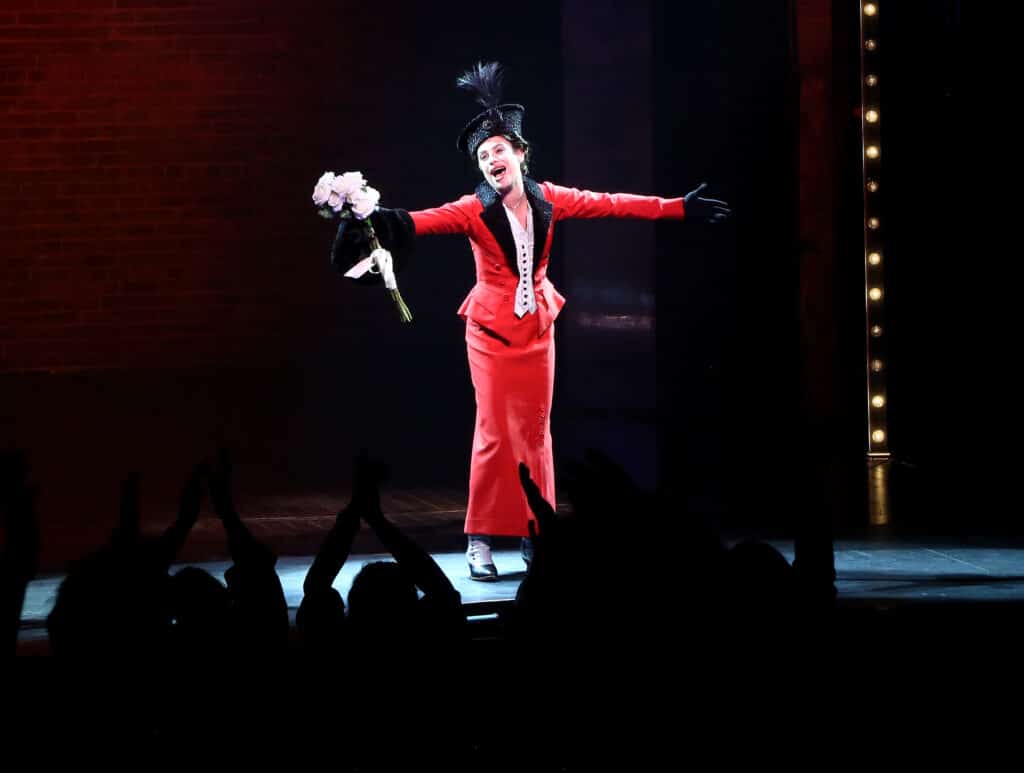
(873, 152)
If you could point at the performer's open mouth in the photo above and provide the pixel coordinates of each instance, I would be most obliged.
(498, 173)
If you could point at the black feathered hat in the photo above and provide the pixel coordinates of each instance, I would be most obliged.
(485, 81)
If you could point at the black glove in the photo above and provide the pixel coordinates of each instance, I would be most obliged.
(395, 232)
(707, 210)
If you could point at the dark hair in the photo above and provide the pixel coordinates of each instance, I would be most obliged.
(519, 143)
(381, 594)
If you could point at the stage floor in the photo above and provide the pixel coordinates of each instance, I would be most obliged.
(880, 572)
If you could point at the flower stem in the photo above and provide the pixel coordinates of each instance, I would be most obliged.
(403, 311)
(404, 315)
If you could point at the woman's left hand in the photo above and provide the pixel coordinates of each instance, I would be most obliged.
(695, 207)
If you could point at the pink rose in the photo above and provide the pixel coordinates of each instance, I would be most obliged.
(335, 201)
(323, 189)
(364, 201)
(347, 184)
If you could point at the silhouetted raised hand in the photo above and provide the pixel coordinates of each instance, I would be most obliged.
(321, 615)
(258, 600)
(544, 533)
(541, 508)
(333, 552)
(567, 594)
(244, 547)
(173, 539)
(416, 561)
(438, 614)
(126, 533)
(116, 600)
(548, 605)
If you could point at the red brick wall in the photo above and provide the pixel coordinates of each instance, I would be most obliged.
(156, 161)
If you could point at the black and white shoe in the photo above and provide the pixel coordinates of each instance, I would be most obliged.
(481, 564)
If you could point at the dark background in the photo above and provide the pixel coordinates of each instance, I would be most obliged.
(943, 388)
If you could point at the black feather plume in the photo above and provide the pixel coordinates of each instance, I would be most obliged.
(484, 81)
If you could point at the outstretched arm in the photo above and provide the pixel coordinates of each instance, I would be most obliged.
(451, 218)
(394, 231)
(575, 203)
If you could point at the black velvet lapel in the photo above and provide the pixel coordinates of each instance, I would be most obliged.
(497, 221)
(541, 218)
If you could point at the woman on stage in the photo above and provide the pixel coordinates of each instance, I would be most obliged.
(510, 312)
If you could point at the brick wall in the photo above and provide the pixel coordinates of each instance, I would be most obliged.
(156, 160)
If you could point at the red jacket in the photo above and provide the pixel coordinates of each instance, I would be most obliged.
(481, 218)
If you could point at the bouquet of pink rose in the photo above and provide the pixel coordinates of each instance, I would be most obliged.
(348, 196)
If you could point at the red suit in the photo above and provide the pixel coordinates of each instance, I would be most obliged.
(512, 360)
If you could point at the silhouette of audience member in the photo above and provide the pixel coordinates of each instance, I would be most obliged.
(597, 576)
(201, 614)
(760, 585)
(250, 612)
(20, 545)
(385, 601)
(592, 580)
(259, 609)
(121, 599)
(116, 601)
(321, 620)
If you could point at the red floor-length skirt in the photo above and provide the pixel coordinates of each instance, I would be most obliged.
(514, 381)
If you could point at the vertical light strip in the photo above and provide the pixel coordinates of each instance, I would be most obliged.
(878, 491)
(873, 225)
